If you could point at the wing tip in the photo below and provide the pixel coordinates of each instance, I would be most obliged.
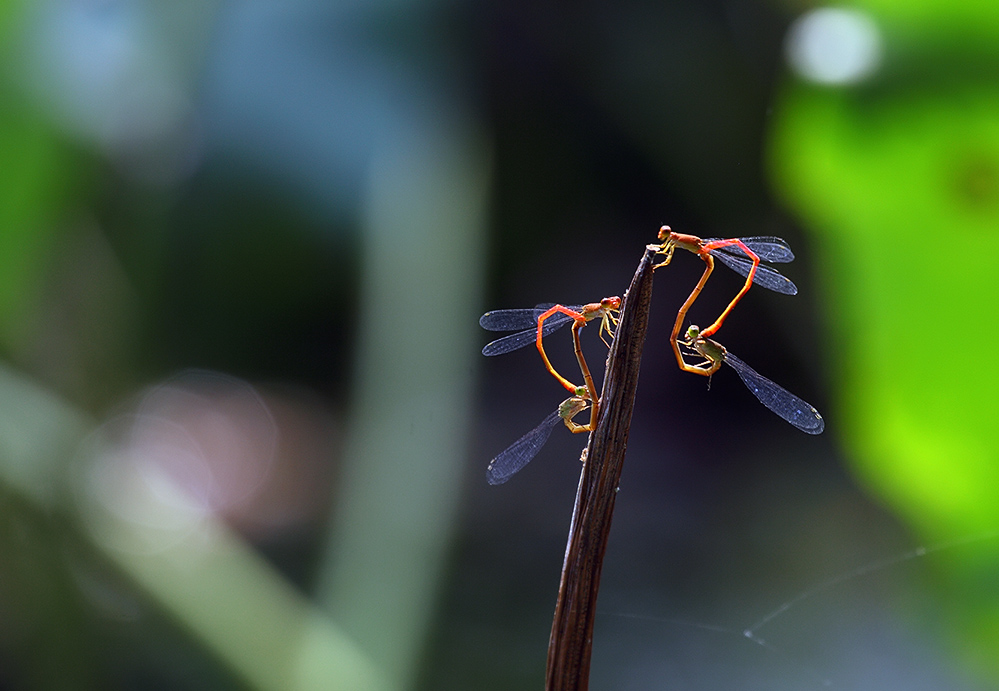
(815, 425)
(495, 478)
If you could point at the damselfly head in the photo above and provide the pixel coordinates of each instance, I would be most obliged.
(667, 238)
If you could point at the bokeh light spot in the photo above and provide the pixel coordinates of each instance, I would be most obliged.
(834, 46)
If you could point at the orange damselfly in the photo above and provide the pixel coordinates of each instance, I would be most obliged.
(537, 322)
(742, 255)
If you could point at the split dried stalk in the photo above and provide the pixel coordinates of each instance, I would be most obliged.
(571, 639)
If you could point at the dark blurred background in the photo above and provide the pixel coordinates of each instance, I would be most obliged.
(244, 421)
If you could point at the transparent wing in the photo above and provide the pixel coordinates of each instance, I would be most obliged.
(521, 452)
(527, 319)
(509, 320)
(769, 278)
(767, 247)
(514, 320)
(778, 399)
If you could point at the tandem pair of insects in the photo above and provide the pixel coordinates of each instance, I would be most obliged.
(742, 255)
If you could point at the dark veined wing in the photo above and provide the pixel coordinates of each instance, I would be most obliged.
(769, 278)
(515, 319)
(767, 247)
(521, 452)
(526, 319)
(778, 399)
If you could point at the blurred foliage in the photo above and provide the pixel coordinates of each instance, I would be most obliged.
(899, 180)
(281, 192)
(34, 180)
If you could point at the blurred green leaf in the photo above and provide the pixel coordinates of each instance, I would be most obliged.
(902, 191)
(33, 181)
